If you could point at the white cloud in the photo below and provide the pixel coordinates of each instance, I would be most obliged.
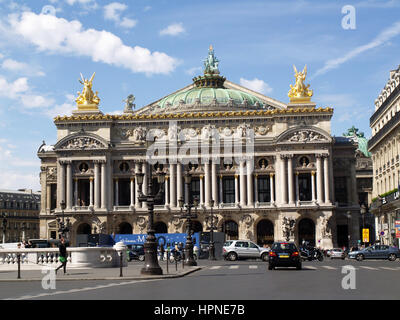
(36, 101)
(381, 39)
(256, 85)
(193, 71)
(91, 4)
(57, 35)
(1, 56)
(21, 67)
(173, 29)
(12, 90)
(64, 109)
(113, 12)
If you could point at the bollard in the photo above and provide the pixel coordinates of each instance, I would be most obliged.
(183, 260)
(167, 260)
(176, 263)
(19, 265)
(120, 263)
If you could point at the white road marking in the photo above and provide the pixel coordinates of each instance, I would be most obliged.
(234, 267)
(215, 267)
(310, 267)
(77, 290)
(387, 268)
(368, 268)
(253, 267)
(329, 267)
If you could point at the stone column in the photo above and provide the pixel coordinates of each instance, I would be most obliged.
(145, 181)
(236, 190)
(179, 181)
(256, 188)
(250, 191)
(326, 179)
(272, 187)
(166, 190)
(207, 193)
(103, 185)
(221, 194)
(283, 179)
(172, 176)
(290, 179)
(214, 186)
(76, 204)
(48, 198)
(319, 179)
(313, 186)
(61, 183)
(132, 192)
(69, 186)
(96, 185)
(137, 202)
(201, 190)
(91, 192)
(242, 184)
(116, 193)
(297, 187)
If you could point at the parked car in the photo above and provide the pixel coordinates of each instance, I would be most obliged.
(337, 253)
(135, 252)
(284, 254)
(376, 252)
(243, 249)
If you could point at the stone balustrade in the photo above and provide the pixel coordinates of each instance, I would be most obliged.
(82, 257)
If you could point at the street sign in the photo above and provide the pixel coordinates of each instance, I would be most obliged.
(397, 227)
(382, 233)
(365, 233)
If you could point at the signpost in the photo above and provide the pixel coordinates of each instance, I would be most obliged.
(365, 233)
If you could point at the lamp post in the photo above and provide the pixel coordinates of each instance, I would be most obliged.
(150, 246)
(211, 251)
(4, 225)
(348, 216)
(63, 229)
(189, 259)
(23, 228)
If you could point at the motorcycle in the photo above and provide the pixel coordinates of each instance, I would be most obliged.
(311, 254)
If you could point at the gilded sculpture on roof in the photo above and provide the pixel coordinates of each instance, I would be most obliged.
(300, 92)
(87, 98)
(211, 63)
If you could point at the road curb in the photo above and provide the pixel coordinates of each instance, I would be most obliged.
(167, 276)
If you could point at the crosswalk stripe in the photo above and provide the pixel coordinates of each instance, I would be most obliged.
(369, 268)
(253, 267)
(215, 267)
(329, 267)
(387, 268)
(234, 267)
(310, 267)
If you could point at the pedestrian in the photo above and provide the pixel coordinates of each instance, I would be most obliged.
(196, 252)
(162, 251)
(62, 256)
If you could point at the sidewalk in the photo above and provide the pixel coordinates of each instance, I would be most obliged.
(131, 272)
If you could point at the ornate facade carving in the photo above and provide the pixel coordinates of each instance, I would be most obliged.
(81, 143)
(306, 136)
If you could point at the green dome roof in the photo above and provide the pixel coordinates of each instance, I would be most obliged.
(207, 95)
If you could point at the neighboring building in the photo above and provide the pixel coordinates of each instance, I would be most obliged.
(19, 213)
(286, 175)
(384, 146)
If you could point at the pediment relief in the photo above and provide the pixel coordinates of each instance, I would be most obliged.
(303, 135)
(81, 143)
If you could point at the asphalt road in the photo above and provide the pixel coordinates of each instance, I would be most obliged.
(239, 280)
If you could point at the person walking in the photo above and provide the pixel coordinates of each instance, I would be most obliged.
(62, 256)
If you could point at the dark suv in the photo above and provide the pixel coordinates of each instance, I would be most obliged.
(284, 254)
(135, 252)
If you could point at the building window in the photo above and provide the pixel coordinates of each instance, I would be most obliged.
(341, 190)
(228, 188)
(264, 190)
(195, 188)
(305, 187)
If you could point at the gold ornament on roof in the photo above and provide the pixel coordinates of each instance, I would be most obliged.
(87, 100)
(300, 92)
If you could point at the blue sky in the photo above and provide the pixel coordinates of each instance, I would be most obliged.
(153, 48)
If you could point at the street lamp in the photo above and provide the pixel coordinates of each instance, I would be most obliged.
(4, 224)
(189, 259)
(23, 228)
(348, 215)
(63, 229)
(150, 246)
(211, 251)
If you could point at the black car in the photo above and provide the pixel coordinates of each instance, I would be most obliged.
(135, 252)
(284, 254)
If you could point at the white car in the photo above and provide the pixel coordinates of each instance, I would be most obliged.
(337, 253)
(243, 249)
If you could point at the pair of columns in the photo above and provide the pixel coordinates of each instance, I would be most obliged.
(98, 197)
(320, 183)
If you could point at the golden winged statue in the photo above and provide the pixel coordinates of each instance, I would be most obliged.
(87, 97)
(300, 92)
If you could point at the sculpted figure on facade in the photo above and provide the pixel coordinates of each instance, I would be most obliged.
(87, 97)
(139, 135)
(82, 143)
(129, 105)
(306, 136)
